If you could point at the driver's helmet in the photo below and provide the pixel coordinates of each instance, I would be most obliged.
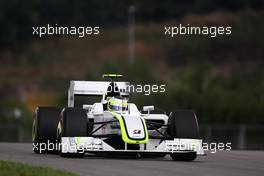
(117, 104)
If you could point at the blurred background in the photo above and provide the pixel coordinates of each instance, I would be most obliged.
(221, 79)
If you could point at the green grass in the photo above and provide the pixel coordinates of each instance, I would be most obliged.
(8, 168)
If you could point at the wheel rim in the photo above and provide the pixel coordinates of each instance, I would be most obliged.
(34, 130)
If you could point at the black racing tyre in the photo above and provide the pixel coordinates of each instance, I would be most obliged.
(189, 156)
(44, 129)
(183, 124)
(152, 155)
(73, 124)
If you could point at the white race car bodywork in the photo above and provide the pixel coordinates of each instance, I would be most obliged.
(132, 119)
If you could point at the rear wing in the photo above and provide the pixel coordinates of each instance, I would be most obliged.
(93, 88)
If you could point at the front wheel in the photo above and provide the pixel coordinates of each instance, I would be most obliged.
(183, 125)
(74, 124)
(190, 156)
(152, 155)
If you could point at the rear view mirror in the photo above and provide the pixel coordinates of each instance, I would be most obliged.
(148, 108)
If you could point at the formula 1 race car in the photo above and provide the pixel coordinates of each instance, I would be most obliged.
(113, 126)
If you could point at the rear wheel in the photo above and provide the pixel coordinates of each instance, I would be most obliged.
(183, 124)
(44, 129)
(74, 124)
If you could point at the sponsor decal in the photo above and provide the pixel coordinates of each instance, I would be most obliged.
(136, 131)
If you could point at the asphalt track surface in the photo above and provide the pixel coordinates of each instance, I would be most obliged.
(222, 163)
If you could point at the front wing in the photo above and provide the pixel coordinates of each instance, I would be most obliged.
(97, 145)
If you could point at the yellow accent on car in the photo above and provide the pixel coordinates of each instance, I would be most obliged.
(124, 134)
(78, 141)
(110, 75)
